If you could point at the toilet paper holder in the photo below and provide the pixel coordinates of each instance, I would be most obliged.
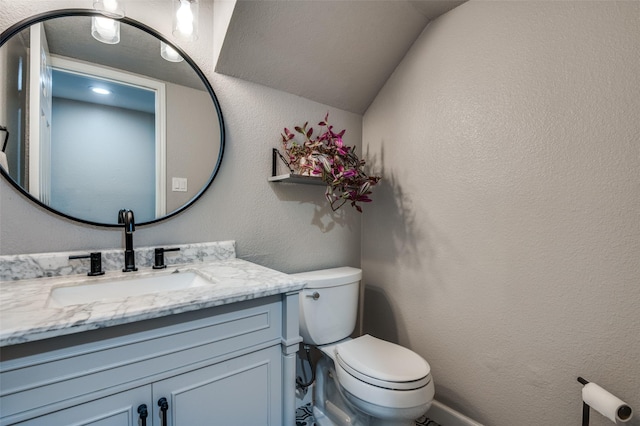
(603, 402)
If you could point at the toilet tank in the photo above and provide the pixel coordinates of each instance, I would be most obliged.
(329, 304)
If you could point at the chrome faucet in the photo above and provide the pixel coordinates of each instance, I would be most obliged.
(125, 217)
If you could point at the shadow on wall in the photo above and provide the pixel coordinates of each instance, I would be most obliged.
(323, 217)
(392, 216)
(380, 319)
(326, 219)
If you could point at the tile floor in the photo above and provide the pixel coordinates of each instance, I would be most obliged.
(304, 417)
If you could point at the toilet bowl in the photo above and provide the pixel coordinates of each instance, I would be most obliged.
(361, 381)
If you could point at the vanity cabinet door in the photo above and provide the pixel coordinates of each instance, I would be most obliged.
(120, 409)
(246, 390)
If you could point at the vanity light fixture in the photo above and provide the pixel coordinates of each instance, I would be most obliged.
(105, 30)
(185, 19)
(110, 8)
(169, 53)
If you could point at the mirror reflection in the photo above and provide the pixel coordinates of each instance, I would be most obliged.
(98, 127)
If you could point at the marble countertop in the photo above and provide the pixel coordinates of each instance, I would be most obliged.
(27, 314)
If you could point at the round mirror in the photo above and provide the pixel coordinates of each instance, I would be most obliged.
(99, 115)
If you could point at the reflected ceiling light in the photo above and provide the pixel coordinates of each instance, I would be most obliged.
(185, 19)
(111, 8)
(100, 91)
(169, 53)
(106, 30)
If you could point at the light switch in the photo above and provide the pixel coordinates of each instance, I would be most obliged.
(179, 184)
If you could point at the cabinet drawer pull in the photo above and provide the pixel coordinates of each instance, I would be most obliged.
(164, 406)
(142, 411)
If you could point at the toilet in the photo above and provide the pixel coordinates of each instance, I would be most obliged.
(364, 380)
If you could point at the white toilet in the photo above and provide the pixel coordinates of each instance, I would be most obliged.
(361, 381)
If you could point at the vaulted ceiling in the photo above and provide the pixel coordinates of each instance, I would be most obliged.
(336, 52)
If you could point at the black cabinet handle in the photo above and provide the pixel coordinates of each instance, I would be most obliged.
(164, 406)
(142, 411)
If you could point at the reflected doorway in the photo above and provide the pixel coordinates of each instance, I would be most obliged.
(106, 147)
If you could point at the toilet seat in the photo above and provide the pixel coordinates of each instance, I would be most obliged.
(383, 364)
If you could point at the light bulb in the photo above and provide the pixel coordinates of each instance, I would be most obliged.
(110, 5)
(169, 53)
(105, 30)
(110, 8)
(184, 17)
(100, 91)
(106, 26)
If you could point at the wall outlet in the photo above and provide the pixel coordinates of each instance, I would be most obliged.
(179, 184)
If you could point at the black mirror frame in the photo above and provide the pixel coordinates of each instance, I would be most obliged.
(16, 28)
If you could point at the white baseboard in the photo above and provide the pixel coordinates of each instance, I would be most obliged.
(447, 416)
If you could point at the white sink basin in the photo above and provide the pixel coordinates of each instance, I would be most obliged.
(124, 287)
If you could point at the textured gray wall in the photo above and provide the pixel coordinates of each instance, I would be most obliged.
(506, 247)
(287, 227)
(190, 120)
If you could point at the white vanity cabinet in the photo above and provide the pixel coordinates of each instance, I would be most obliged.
(113, 410)
(236, 392)
(228, 365)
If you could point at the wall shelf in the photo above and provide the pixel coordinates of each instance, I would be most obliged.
(290, 177)
(294, 178)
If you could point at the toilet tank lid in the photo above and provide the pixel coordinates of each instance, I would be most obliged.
(330, 277)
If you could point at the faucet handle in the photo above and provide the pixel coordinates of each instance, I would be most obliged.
(158, 257)
(96, 262)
